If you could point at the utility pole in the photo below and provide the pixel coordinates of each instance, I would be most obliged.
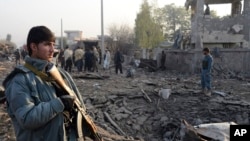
(102, 36)
(61, 34)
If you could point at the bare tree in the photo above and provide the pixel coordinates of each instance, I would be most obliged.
(122, 36)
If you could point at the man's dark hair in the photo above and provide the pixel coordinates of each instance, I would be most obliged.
(206, 49)
(39, 34)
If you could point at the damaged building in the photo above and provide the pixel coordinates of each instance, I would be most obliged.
(7, 46)
(228, 38)
(231, 31)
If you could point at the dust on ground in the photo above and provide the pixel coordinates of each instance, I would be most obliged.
(153, 118)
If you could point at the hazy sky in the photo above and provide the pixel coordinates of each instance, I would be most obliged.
(18, 16)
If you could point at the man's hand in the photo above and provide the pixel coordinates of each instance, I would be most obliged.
(68, 101)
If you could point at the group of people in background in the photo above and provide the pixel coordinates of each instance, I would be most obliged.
(20, 55)
(88, 59)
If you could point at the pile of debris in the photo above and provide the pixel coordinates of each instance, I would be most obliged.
(222, 71)
(137, 107)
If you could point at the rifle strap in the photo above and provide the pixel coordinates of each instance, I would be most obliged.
(42, 75)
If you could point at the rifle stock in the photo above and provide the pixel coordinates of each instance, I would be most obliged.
(60, 81)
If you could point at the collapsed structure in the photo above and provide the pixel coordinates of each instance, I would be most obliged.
(228, 38)
(229, 32)
(6, 46)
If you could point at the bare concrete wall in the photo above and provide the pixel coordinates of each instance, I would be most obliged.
(206, 30)
(190, 61)
(219, 30)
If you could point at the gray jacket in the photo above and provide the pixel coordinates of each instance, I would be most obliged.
(34, 108)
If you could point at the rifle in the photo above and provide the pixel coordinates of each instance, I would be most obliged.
(55, 74)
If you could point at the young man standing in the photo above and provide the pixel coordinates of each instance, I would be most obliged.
(207, 63)
(36, 107)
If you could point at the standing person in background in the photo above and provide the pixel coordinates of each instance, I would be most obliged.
(95, 59)
(107, 59)
(163, 59)
(79, 53)
(100, 55)
(87, 59)
(68, 56)
(61, 58)
(92, 56)
(207, 63)
(24, 52)
(6, 52)
(118, 59)
(18, 56)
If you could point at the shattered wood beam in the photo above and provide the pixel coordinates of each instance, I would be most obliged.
(146, 96)
(114, 124)
(190, 132)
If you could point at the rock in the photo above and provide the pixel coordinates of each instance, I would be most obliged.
(100, 100)
(129, 122)
(120, 116)
(166, 139)
(141, 120)
(124, 110)
(245, 118)
(237, 28)
(238, 119)
(178, 79)
(136, 127)
(165, 93)
(215, 120)
(167, 134)
(112, 96)
(242, 119)
(154, 139)
(164, 118)
(198, 121)
(219, 93)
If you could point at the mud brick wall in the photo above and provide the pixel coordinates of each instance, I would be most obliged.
(235, 60)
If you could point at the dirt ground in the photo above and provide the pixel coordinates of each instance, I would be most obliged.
(152, 118)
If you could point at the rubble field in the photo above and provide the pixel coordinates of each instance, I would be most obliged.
(134, 108)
